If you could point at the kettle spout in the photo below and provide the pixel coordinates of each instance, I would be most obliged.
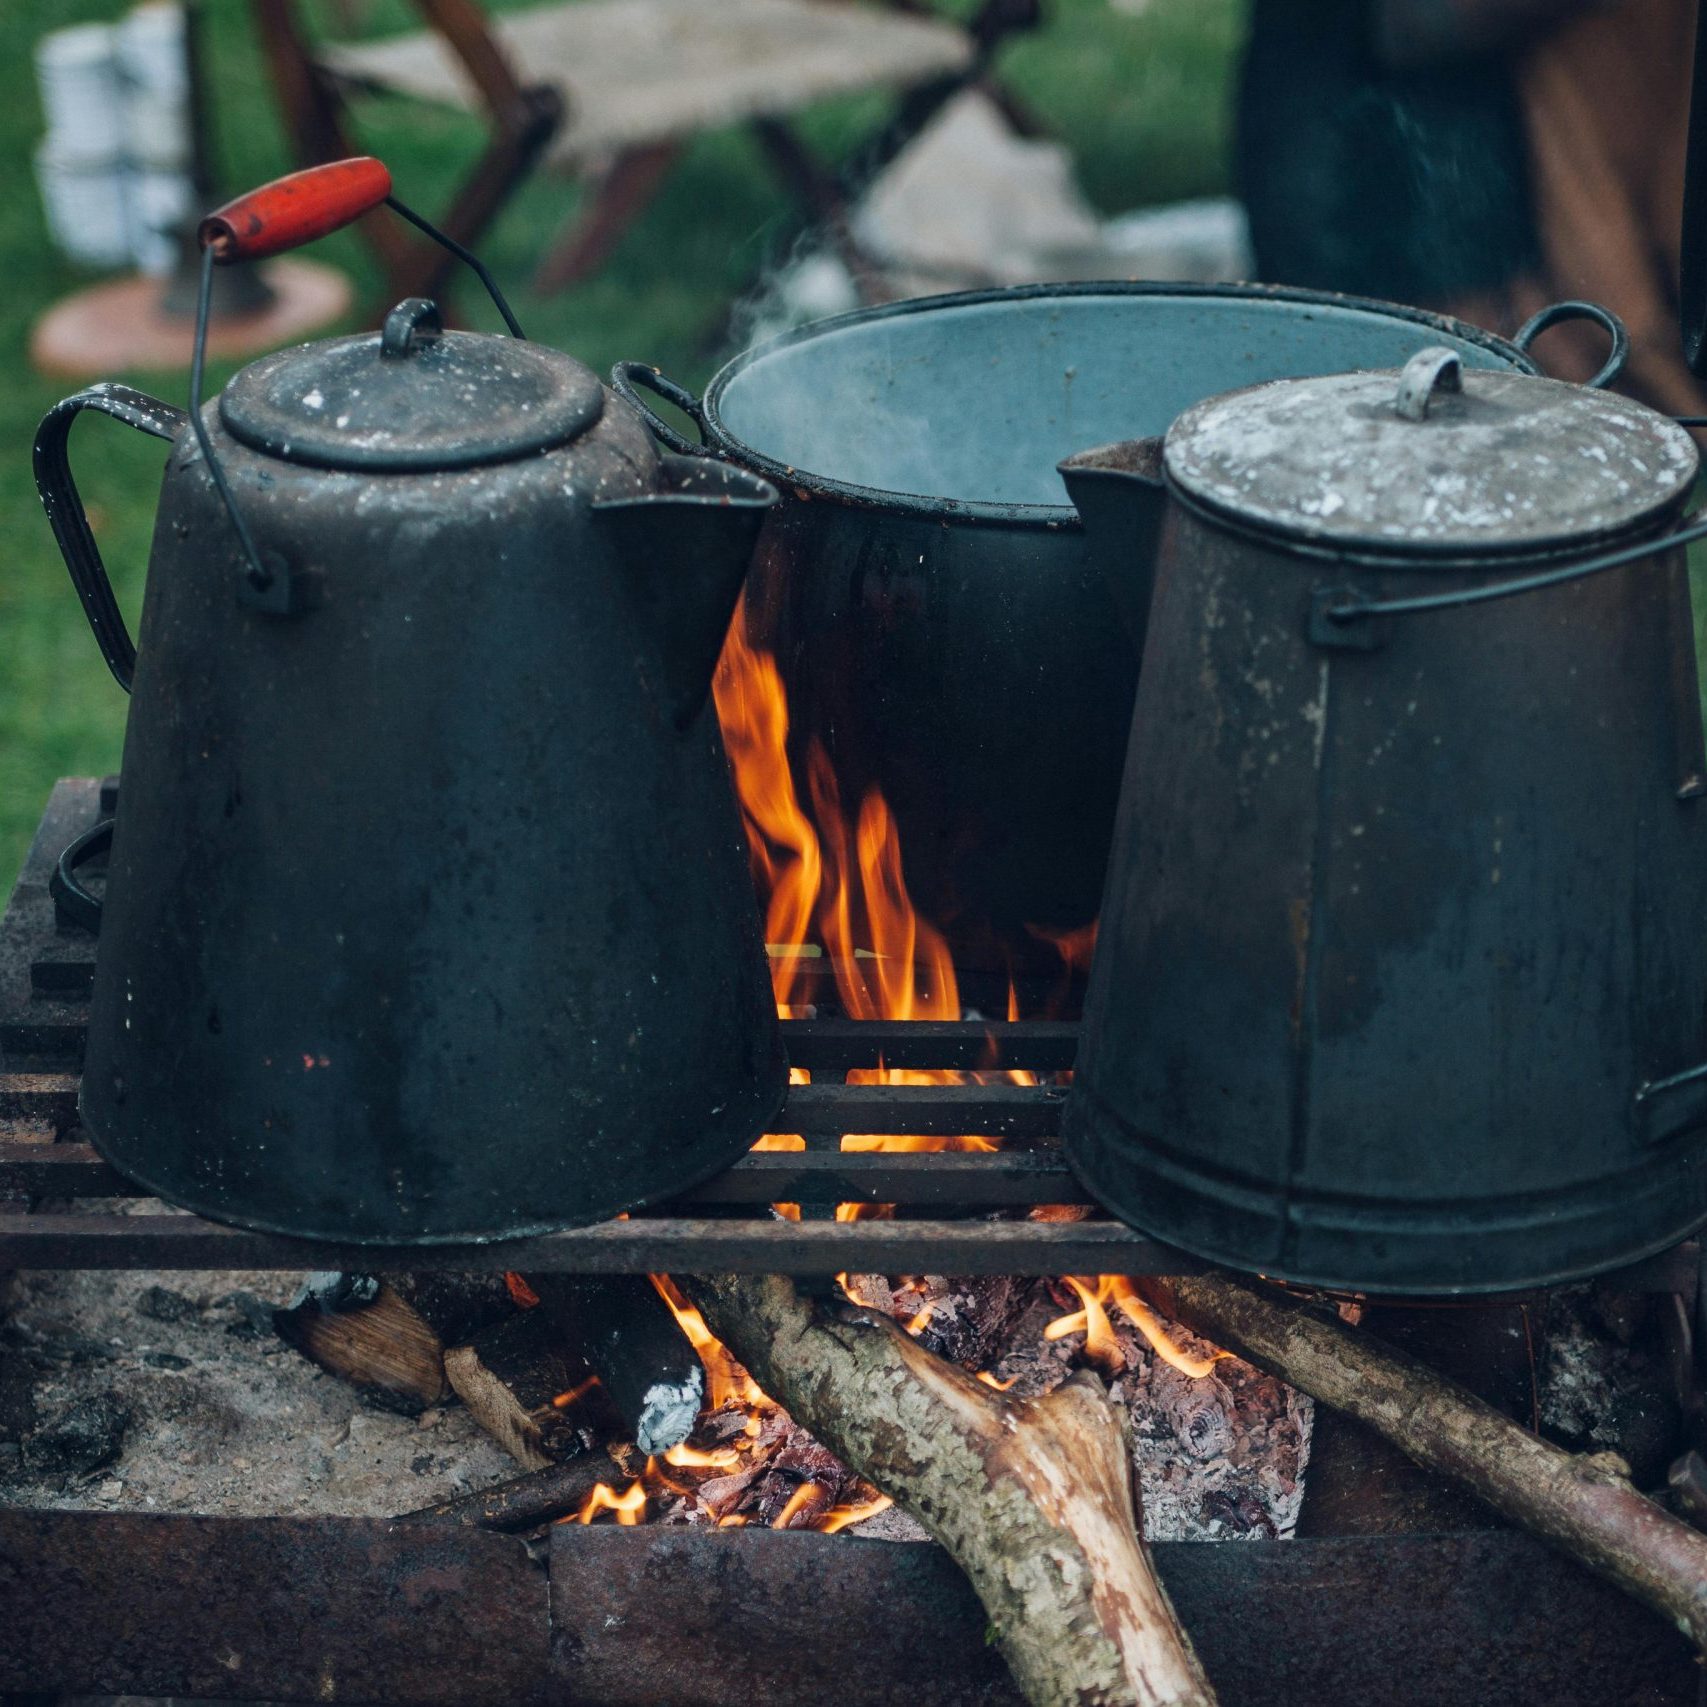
(685, 546)
(1120, 496)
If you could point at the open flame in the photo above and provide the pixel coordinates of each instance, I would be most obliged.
(835, 898)
(1101, 1345)
(834, 885)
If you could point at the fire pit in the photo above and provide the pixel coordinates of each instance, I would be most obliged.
(443, 1608)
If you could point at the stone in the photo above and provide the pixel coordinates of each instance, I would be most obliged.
(161, 1304)
(81, 1438)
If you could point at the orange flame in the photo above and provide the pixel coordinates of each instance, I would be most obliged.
(752, 707)
(628, 1507)
(1101, 1343)
(726, 1381)
(802, 1496)
(691, 1458)
(579, 1391)
(840, 1516)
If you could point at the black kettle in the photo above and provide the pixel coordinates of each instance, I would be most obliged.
(1402, 976)
(428, 915)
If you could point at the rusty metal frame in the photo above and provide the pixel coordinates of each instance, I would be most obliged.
(444, 1615)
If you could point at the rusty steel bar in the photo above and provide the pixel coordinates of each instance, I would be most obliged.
(1044, 1045)
(445, 1614)
(973, 1179)
(1018, 1111)
(642, 1244)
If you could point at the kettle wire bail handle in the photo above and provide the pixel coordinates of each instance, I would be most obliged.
(288, 212)
(71, 901)
(629, 379)
(306, 205)
(268, 586)
(1343, 616)
(1616, 356)
(66, 516)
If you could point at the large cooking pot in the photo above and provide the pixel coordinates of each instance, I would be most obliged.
(427, 916)
(1402, 977)
(925, 590)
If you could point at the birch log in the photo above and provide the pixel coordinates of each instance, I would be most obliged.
(1583, 1504)
(1033, 1498)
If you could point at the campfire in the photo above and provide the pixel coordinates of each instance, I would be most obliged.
(815, 1240)
(844, 935)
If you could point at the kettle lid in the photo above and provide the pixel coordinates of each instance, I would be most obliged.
(412, 398)
(1431, 460)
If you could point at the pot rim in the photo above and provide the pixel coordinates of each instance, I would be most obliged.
(806, 484)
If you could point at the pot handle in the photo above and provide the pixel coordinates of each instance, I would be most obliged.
(1536, 324)
(71, 900)
(629, 379)
(65, 508)
(1347, 618)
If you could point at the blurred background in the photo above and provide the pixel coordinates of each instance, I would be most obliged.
(668, 180)
(1137, 94)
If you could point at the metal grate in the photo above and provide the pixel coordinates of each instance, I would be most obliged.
(955, 1212)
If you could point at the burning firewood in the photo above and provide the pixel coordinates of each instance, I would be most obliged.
(522, 1379)
(389, 1336)
(524, 1385)
(629, 1336)
(539, 1498)
(1033, 1498)
(1585, 1505)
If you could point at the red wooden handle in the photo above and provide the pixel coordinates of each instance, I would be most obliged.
(292, 211)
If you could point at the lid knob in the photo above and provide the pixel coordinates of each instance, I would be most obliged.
(1429, 371)
(413, 322)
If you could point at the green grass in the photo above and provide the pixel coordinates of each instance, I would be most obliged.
(1142, 101)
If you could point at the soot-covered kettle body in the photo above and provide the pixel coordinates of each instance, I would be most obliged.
(1402, 976)
(428, 915)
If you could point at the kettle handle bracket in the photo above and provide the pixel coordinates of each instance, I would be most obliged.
(1345, 620)
(1666, 1107)
(288, 591)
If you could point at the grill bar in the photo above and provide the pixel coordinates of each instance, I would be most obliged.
(640, 1245)
(1018, 1180)
(45, 968)
(1044, 1045)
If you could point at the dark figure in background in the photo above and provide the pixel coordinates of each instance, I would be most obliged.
(1482, 157)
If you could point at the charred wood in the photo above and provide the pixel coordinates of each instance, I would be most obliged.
(628, 1335)
(541, 1497)
(1033, 1497)
(389, 1336)
(1585, 1505)
(524, 1385)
